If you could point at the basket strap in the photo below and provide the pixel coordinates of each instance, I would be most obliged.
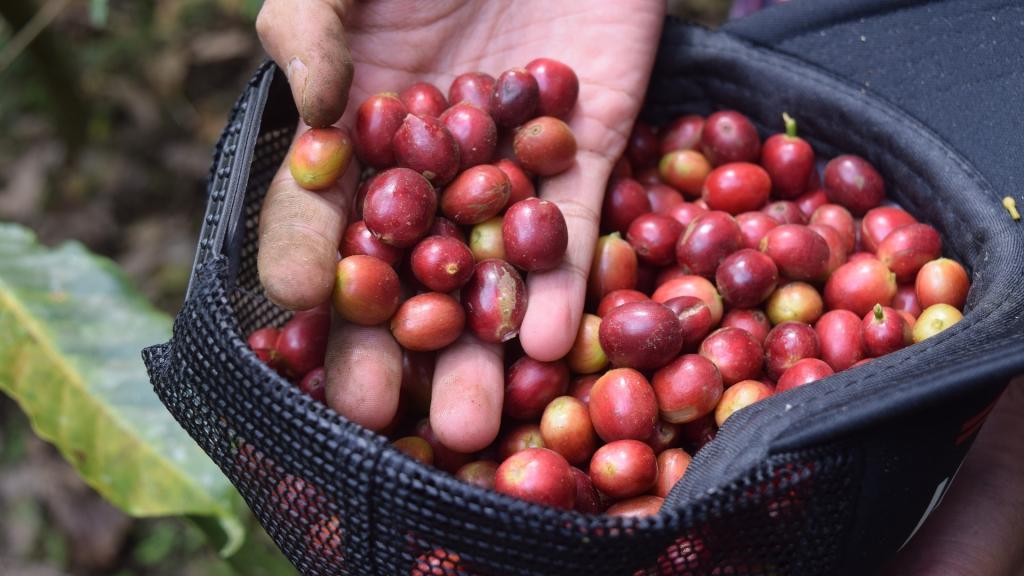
(229, 175)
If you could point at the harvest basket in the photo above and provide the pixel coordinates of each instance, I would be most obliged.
(830, 478)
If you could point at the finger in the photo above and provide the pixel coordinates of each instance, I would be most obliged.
(556, 297)
(300, 232)
(307, 40)
(611, 90)
(976, 530)
(465, 405)
(364, 373)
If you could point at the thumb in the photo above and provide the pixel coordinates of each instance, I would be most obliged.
(307, 40)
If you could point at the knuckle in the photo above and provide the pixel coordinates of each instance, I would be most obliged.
(295, 240)
(575, 270)
(265, 22)
(574, 210)
(294, 265)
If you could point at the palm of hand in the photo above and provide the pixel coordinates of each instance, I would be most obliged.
(609, 47)
(394, 43)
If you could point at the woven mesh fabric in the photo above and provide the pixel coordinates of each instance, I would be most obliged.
(338, 499)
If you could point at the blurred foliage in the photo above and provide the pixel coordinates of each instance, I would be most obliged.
(51, 524)
(155, 80)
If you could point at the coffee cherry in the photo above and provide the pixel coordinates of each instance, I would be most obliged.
(535, 235)
(687, 388)
(840, 219)
(729, 136)
(754, 321)
(694, 317)
(399, 207)
(474, 132)
(808, 202)
(839, 338)
(586, 355)
(663, 198)
(798, 251)
(684, 170)
(642, 146)
(515, 97)
(795, 302)
(853, 182)
(707, 241)
(935, 319)
(653, 237)
(473, 88)
(906, 249)
(942, 281)
(672, 465)
(858, 286)
(788, 160)
(557, 86)
(319, 157)
(423, 144)
(521, 183)
(545, 146)
(623, 405)
(624, 468)
(746, 278)
(366, 290)
(642, 335)
(739, 396)
(682, 134)
(428, 321)
(624, 201)
(495, 301)
(802, 373)
(423, 98)
(736, 354)
(614, 267)
(377, 120)
(754, 226)
(537, 475)
(530, 385)
(476, 195)
(884, 331)
(787, 344)
(737, 187)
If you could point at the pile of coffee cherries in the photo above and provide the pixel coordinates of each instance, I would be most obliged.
(729, 271)
(430, 177)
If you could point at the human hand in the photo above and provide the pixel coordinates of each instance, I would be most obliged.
(977, 529)
(334, 51)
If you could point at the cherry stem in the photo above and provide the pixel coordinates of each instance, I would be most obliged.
(790, 125)
(879, 314)
(1011, 206)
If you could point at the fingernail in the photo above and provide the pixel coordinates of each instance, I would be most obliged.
(297, 75)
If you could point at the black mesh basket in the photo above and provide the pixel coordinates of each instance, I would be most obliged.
(830, 478)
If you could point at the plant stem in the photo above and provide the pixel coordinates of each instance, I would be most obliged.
(790, 125)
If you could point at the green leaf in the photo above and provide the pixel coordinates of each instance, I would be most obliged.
(71, 331)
